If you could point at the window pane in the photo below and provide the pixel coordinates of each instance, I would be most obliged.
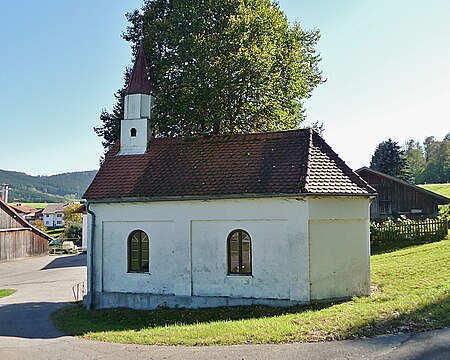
(246, 265)
(234, 266)
(234, 245)
(233, 252)
(145, 265)
(134, 265)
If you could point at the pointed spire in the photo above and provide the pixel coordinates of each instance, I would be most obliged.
(140, 79)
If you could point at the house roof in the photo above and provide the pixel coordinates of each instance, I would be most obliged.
(14, 214)
(244, 165)
(54, 208)
(24, 209)
(441, 199)
(140, 79)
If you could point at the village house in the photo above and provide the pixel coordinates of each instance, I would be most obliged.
(29, 213)
(397, 197)
(264, 218)
(53, 216)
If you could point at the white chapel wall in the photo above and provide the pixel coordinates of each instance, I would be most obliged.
(339, 247)
(188, 247)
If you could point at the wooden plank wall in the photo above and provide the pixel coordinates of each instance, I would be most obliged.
(395, 199)
(21, 243)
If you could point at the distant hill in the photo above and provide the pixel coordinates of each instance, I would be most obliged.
(54, 188)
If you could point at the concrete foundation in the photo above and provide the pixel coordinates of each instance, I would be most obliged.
(142, 301)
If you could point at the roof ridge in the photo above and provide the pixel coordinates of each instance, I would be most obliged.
(308, 159)
(206, 137)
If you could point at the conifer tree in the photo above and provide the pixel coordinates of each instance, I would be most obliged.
(389, 159)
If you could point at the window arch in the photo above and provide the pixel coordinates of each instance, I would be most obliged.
(138, 251)
(239, 246)
(133, 132)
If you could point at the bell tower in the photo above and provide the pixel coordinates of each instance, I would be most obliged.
(135, 130)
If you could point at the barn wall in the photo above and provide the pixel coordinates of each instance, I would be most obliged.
(339, 248)
(20, 244)
(15, 243)
(395, 198)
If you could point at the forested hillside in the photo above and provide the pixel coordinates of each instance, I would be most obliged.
(54, 188)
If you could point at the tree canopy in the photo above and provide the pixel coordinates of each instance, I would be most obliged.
(429, 163)
(222, 66)
(389, 159)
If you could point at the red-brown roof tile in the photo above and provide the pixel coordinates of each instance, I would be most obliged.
(290, 162)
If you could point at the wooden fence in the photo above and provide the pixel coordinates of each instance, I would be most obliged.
(433, 229)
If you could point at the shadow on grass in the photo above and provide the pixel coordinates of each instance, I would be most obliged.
(432, 316)
(78, 321)
(378, 249)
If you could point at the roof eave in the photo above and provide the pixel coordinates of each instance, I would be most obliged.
(222, 197)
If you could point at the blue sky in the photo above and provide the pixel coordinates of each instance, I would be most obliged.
(386, 64)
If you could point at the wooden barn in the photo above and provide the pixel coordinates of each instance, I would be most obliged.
(397, 197)
(18, 238)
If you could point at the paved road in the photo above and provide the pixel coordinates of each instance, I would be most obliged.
(44, 284)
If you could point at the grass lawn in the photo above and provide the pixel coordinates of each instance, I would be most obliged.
(410, 292)
(6, 292)
(441, 189)
(33, 205)
(55, 232)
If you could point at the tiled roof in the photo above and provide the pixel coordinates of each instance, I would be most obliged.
(140, 79)
(54, 208)
(23, 209)
(290, 162)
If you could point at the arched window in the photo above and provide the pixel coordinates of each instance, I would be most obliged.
(138, 251)
(239, 246)
(133, 132)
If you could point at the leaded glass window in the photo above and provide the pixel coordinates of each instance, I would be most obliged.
(239, 253)
(138, 252)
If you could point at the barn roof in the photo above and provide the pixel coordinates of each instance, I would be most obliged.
(15, 215)
(297, 162)
(442, 200)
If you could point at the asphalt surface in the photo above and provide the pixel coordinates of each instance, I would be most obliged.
(45, 284)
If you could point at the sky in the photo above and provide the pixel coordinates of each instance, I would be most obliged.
(386, 64)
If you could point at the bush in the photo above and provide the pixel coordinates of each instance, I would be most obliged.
(73, 231)
(390, 231)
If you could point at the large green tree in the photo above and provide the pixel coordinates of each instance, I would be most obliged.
(224, 66)
(110, 128)
(414, 155)
(438, 164)
(389, 158)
